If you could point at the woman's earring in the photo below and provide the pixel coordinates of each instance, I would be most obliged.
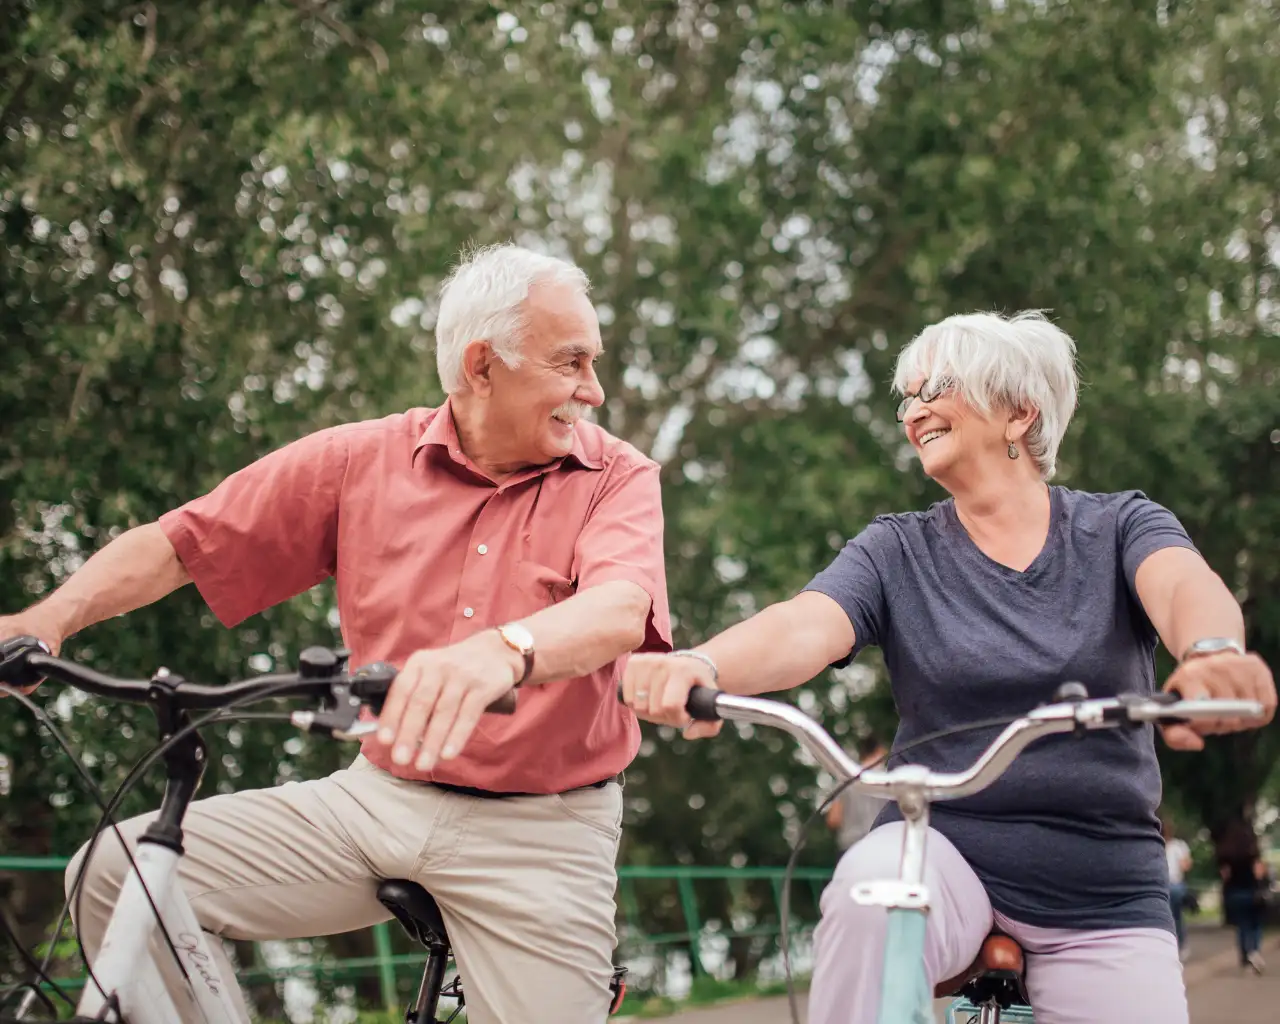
(1013, 450)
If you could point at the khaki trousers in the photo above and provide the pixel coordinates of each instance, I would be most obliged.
(525, 884)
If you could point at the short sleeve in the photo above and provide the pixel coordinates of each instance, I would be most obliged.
(855, 582)
(622, 540)
(267, 532)
(1145, 527)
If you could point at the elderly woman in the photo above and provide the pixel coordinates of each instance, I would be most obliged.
(982, 604)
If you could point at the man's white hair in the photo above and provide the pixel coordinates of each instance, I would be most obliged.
(482, 300)
(1017, 362)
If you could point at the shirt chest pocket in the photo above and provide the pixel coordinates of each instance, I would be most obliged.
(538, 586)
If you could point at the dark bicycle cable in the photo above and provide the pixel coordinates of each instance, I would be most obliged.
(109, 808)
(34, 968)
(131, 779)
(784, 909)
(95, 791)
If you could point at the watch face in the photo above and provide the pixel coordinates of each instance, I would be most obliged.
(518, 637)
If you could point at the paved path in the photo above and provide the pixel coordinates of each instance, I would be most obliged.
(1219, 993)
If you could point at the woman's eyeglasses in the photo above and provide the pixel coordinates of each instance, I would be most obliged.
(929, 391)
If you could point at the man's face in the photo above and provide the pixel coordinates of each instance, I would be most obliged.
(535, 405)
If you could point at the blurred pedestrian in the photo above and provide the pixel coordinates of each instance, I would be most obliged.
(1178, 855)
(1244, 888)
(854, 812)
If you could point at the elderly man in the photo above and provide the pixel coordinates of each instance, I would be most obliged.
(496, 540)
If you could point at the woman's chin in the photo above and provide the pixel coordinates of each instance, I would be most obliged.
(936, 465)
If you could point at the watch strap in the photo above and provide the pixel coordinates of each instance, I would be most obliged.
(1210, 645)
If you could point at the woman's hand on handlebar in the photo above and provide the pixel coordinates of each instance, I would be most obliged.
(1229, 676)
(656, 687)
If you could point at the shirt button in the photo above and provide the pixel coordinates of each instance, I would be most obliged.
(483, 549)
(468, 612)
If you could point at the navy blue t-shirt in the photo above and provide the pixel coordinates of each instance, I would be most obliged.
(1068, 837)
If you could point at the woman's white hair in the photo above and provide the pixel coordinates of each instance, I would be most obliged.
(482, 300)
(1017, 362)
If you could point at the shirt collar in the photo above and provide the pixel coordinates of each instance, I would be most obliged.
(442, 433)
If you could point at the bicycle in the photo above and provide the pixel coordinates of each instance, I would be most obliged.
(992, 989)
(125, 985)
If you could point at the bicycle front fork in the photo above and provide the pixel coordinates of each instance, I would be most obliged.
(905, 997)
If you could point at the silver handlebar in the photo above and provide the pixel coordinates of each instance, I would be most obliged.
(915, 781)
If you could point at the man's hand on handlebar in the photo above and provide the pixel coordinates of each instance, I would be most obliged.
(439, 696)
(29, 623)
(1228, 676)
(656, 687)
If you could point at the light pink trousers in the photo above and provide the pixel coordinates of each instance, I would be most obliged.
(1122, 976)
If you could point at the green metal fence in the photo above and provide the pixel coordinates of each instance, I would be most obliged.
(387, 965)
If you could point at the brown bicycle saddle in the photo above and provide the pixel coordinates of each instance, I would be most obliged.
(1000, 956)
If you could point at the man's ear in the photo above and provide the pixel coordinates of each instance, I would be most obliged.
(477, 366)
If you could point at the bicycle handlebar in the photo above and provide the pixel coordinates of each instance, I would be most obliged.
(24, 661)
(706, 704)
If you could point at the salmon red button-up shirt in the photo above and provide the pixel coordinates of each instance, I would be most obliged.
(427, 551)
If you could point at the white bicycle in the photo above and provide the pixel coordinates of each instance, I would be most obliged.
(125, 984)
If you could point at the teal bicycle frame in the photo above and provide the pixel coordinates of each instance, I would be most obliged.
(906, 996)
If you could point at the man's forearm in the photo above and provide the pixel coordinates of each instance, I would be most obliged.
(584, 632)
(137, 568)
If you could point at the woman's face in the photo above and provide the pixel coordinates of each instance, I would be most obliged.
(952, 438)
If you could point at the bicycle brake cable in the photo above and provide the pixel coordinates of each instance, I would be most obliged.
(108, 808)
(95, 791)
(132, 779)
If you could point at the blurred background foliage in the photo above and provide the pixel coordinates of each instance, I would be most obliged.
(222, 225)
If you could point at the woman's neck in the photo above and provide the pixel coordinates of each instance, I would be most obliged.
(1008, 521)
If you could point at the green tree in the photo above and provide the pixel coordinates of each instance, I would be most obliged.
(223, 226)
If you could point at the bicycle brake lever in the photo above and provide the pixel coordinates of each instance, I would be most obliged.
(1166, 697)
(338, 724)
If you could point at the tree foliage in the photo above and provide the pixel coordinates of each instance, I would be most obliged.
(223, 224)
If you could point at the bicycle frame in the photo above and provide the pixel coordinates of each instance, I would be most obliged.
(130, 986)
(904, 988)
(987, 1015)
(127, 983)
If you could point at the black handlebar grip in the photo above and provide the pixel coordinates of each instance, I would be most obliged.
(14, 670)
(504, 705)
(701, 704)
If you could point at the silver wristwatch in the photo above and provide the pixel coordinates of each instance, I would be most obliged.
(1212, 645)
